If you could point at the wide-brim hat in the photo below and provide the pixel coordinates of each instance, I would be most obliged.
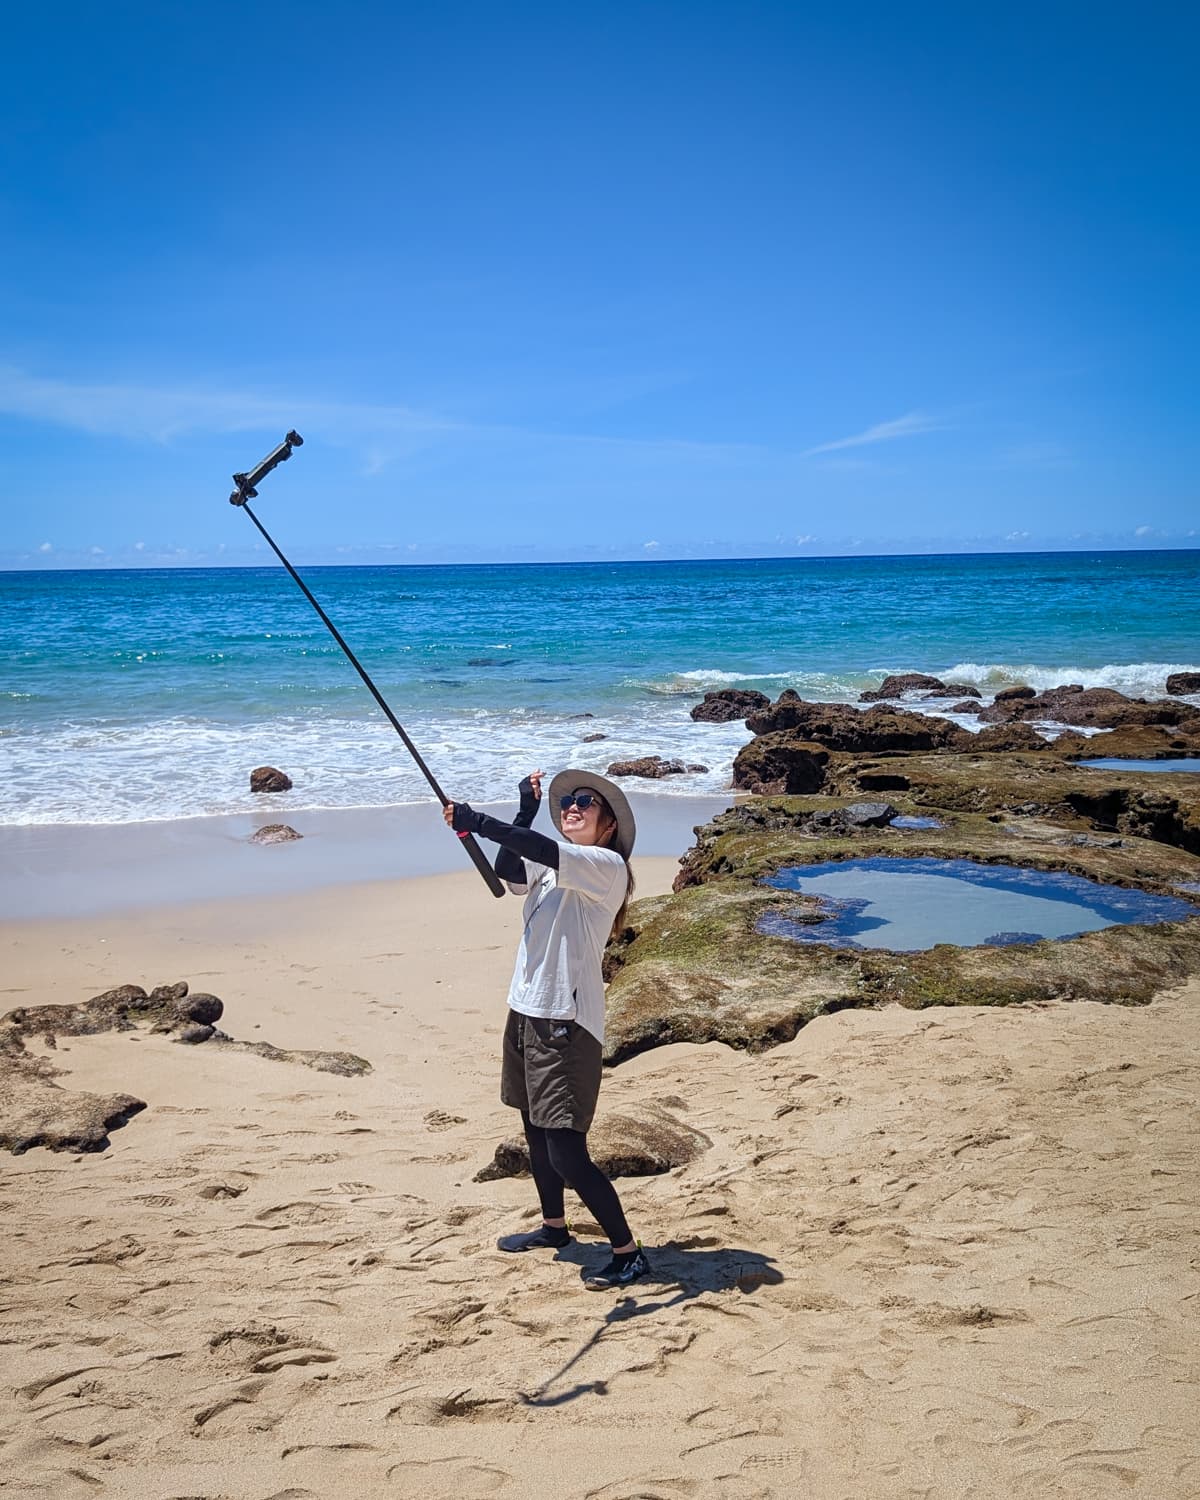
(588, 781)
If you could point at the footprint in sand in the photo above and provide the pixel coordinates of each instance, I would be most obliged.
(447, 1478)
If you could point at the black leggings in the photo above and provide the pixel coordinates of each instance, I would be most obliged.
(560, 1158)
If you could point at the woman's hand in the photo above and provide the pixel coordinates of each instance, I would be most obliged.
(531, 795)
(448, 814)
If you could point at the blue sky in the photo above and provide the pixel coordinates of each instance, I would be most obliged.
(569, 281)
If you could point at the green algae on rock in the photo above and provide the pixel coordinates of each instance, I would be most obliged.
(694, 967)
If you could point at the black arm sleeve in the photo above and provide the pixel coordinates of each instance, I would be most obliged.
(510, 866)
(523, 842)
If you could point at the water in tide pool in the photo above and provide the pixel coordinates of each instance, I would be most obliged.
(136, 695)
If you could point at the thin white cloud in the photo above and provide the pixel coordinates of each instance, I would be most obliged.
(911, 425)
(158, 414)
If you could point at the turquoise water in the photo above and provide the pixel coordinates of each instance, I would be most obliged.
(129, 695)
(907, 905)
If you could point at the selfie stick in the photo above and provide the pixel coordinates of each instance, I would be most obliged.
(246, 491)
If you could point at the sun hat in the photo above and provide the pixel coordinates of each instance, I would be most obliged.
(588, 781)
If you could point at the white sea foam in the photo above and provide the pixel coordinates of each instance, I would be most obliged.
(186, 767)
(1139, 679)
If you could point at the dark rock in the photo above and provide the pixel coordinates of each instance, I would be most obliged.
(1179, 683)
(724, 706)
(773, 763)
(694, 768)
(1012, 736)
(590, 739)
(37, 1112)
(962, 690)
(868, 814)
(838, 726)
(167, 994)
(966, 707)
(268, 779)
(1136, 742)
(640, 1142)
(902, 682)
(193, 1034)
(206, 1009)
(1015, 694)
(344, 1064)
(275, 833)
(651, 766)
(1101, 708)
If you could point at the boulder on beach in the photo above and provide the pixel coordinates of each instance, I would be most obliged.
(784, 762)
(591, 739)
(269, 779)
(1015, 694)
(167, 1007)
(727, 704)
(839, 726)
(641, 1141)
(1179, 683)
(1100, 708)
(275, 833)
(967, 706)
(903, 682)
(652, 767)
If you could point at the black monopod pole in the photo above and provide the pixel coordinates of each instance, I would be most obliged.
(241, 496)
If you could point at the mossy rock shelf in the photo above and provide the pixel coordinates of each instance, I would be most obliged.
(693, 967)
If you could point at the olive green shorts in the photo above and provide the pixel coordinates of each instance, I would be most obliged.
(551, 1071)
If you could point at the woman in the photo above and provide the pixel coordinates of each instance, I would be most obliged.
(554, 1038)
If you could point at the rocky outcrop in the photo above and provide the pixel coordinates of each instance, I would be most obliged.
(1183, 682)
(968, 706)
(591, 739)
(838, 726)
(652, 767)
(640, 1142)
(783, 762)
(900, 683)
(166, 1008)
(1015, 694)
(1138, 742)
(275, 833)
(269, 779)
(36, 1111)
(727, 704)
(1101, 708)
(709, 964)
(1016, 735)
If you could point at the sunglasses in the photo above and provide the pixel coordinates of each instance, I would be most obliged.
(581, 800)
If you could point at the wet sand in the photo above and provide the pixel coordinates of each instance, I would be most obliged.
(927, 1254)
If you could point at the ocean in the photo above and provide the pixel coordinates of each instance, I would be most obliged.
(146, 695)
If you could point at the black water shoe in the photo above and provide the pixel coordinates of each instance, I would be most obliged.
(622, 1270)
(548, 1237)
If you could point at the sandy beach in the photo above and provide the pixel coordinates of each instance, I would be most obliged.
(938, 1253)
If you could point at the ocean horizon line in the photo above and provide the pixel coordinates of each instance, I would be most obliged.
(210, 566)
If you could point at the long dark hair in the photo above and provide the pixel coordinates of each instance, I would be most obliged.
(618, 925)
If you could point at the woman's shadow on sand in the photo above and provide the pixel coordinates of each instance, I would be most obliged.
(678, 1273)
